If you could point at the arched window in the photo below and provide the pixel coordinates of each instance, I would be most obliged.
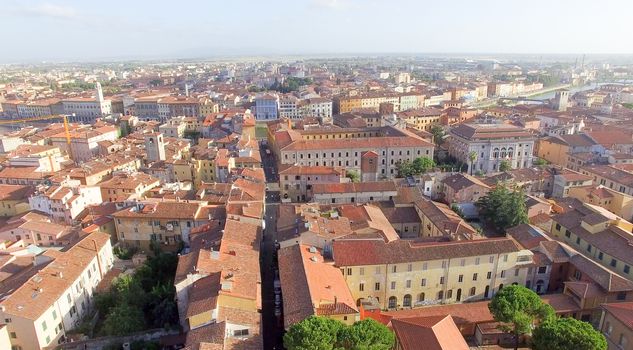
(486, 291)
(440, 295)
(510, 152)
(393, 302)
(459, 294)
(473, 291)
(421, 297)
(496, 153)
(501, 286)
(503, 152)
(406, 301)
(359, 301)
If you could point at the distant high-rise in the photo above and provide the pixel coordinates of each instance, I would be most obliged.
(561, 100)
(154, 147)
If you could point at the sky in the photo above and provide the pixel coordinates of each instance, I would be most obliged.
(84, 30)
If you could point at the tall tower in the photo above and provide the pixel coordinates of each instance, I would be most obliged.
(154, 147)
(561, 100)
(99, 92)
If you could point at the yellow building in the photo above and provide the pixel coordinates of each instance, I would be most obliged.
(404, 274)
(207, 107)
(123, 186)
(553, 150)
(598, 234)
(168, 223)
(181, 170)
(347, 104)
(615, 325)
(14, 199)
(618, 203)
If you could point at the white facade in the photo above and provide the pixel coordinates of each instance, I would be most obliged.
(267, 107)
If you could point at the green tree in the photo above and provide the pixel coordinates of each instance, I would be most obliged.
(123, 319)
(405, 168)
(313, 333)
(353, 175)
(567, 334)
(366, 334)
(518, 308)
(472, 157)
(438, 134)
(505, 165)
(422, 165)
(503, 208)
(540, 162)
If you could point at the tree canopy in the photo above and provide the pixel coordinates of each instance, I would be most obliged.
(419, 166)
(353, 175)
(567, 334)
(323, 333)
(503, 207)
(438, 134)
(505, 165)
(518, 308)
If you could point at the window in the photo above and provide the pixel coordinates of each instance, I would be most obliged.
(577, 240)
(462, 262)
(54, 314)
(473, 291)
(377, 286)
(474, 276)
(614, 263)
(349, 271)
(240, 333)
(410, 266)
(477, 261)
(408, 284)
(505, 258)
(361, 271)
(361, 287)
(393, 302)
(516, 272)
(503, 273)
(489, 275)
(394, 269)
(423, 283)
(442, 280)
(7, 320)
(48, 339)
(542, 269)
(406, 301)
(449, 294)
(491, 259)
(13, 335)
(44, 326)
(440, 295)
(567, 233)
(589, 248)
(627, 269)
(600, 255)
(460, 279)
(393, 285)
(621, 296)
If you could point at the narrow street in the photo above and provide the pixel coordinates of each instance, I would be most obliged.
(272, 326)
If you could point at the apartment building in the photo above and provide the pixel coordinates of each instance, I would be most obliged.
(42, 157)
(127, 187)
(35, 228)
(56, 296)
(14, 199)
(374, 152)
(404, 274)
(618, 203)
(296, 182)
(373, 101)
(168, 223)
(616, 326)
(565, 180)
(421, 118)
(88, 109)
(492, 144)
(598, 234)
(64, 203)
(613, 177)
(84, 142)
(310, 286)
(218, 288)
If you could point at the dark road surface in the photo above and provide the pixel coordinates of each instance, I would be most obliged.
(272, 326)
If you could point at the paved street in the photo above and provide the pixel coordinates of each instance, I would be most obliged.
(272, 326)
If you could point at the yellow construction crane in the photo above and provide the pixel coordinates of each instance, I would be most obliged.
(46, 117)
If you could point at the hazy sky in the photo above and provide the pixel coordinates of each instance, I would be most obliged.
(91, 29)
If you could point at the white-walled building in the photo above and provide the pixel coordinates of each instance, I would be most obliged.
(64, 203)
(491, 144)
(53, 300)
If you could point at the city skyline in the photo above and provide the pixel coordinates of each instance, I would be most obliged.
(118, 30)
